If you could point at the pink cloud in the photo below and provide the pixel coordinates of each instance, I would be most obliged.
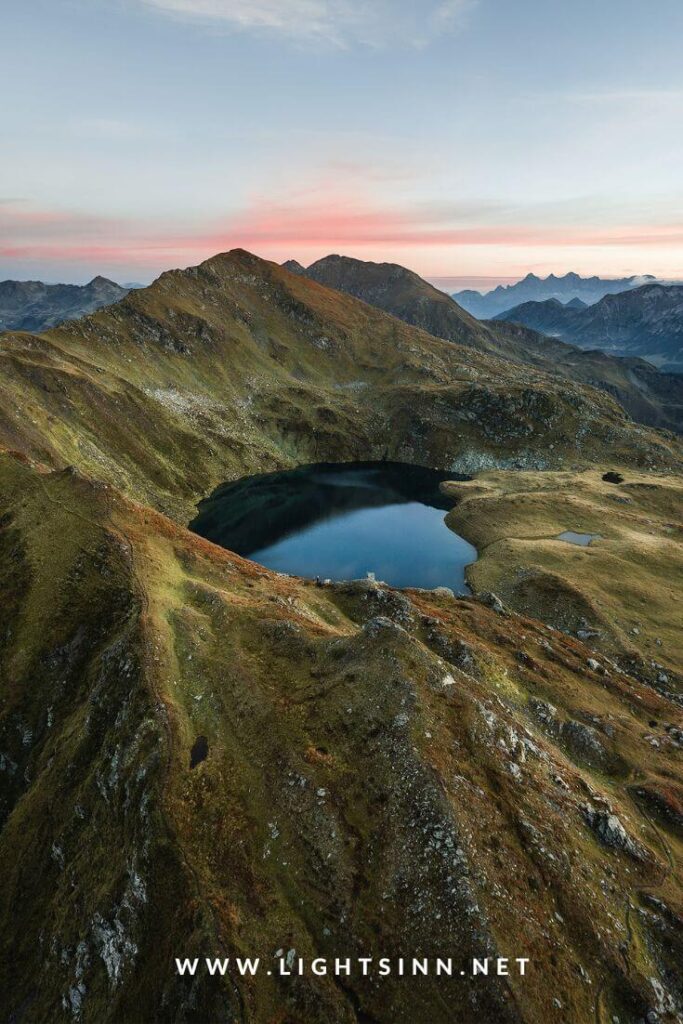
(306, 226)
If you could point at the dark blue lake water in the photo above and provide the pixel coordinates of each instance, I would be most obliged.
(342, 522)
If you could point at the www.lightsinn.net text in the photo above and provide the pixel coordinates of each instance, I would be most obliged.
(382, 967)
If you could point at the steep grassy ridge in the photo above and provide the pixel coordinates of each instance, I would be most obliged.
(404, 294)
(390, 772)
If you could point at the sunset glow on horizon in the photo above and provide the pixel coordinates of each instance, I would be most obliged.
(303, 128)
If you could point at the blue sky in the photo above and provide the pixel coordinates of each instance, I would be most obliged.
(463, 138)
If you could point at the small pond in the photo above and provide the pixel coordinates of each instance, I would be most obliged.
(582, 539)
(341, 522)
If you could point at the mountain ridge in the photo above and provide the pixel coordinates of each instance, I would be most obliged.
(35, 306)
(323, 366)
(645, 322)
(401, 292)
(648, 397)
(569, 286)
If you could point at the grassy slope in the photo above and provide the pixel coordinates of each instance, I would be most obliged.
(648, 396)
(630, 578)
(405, 295)
(124, 856)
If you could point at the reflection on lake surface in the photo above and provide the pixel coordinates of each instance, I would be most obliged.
(342, 521)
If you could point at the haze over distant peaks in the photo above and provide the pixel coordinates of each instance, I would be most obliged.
(646, 322)
(536, 289)
(35, 306)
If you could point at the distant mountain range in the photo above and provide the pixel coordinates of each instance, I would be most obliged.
(646, 322)
(536, 289)
(34, 306)
(647, 395)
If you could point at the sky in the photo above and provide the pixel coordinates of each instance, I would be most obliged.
(471, 140)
